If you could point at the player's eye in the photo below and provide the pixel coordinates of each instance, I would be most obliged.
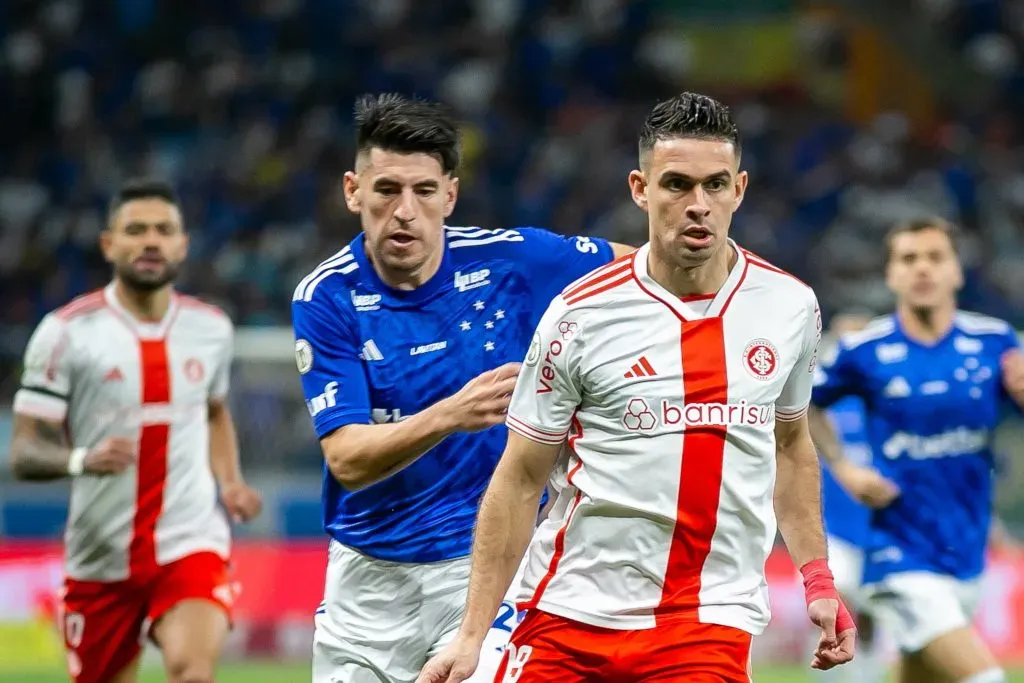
(426, 191)
(716, 185)
(677, 185)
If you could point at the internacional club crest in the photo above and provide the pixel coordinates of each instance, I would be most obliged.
(761, 359)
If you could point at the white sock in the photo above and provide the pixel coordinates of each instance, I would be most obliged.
(994, 675)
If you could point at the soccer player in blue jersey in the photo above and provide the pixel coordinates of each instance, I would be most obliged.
(846, 521)
(934, 381)
(408, 342)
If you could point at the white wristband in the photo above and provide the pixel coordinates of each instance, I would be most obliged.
(76, 461)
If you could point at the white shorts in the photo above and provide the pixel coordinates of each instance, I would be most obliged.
(915, 608)
(847, 564)
(381, 621)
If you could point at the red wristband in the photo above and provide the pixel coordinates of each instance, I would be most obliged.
(820, 585)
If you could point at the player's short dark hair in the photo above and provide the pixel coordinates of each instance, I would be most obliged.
(396, 123)
(916, 225)
(142, 188)
(689, 115)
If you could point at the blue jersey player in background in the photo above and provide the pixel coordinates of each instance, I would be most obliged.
(846, 520)
(408, 342)
(934, 381)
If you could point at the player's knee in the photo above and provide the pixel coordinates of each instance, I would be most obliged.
(189, 670)
(993, 675)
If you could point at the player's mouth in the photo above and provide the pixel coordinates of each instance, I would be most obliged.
(698, 237)
(149, 262)
(400, 240)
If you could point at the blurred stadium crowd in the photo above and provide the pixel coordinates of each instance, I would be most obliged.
(246, 104)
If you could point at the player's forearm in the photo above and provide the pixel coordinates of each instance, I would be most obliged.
(504, 527)
(360, 455)
(224, 461)
(798, 503)
(39, 452)
(824, 437)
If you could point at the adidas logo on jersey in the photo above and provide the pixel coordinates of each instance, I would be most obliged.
(642, 368)
(478, 278)
(365, 302)
(370, 352)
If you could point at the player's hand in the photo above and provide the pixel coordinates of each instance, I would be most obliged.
(833, 648)
(483, 401)
(1012, 365)
(242, 502)
(454, 664)
(867, 485)
(111, 456)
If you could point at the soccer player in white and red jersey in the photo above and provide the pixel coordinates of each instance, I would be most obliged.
(681, 376)
(124, 391)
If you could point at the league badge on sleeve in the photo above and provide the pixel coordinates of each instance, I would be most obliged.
(303, 356)
(533, 355)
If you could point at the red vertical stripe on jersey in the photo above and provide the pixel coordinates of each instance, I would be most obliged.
(152, 465)
(700, 477)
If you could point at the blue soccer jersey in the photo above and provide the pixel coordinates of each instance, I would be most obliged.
(931, 414)
(368, 353)
(844, 517)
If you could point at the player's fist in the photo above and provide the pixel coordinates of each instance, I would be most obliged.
(836, 643)
(242, 502)
(454, 664)
(866, 485)
(111, 456)
(483, 401)
(1012, 365)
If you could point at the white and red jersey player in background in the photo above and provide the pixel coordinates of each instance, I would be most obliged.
(124, 391)
(681, 377)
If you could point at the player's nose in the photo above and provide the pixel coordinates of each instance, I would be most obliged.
(406, 209)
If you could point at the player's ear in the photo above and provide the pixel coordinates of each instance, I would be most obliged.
(741, 188)
(106, 242)
(638, 188)
(451, 195)
(353, 194)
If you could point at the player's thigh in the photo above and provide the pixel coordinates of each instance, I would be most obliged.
(101, 624)
(190, 612)
(916, 608)
(697, 653)
(450, 603)
(958, 655)
(370, 626)
(546, 648)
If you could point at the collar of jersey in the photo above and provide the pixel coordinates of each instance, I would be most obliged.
(436, 284)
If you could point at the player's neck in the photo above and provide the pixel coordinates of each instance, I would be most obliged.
(926, 325)
(408, 279)
(147, 306)
(707, 278)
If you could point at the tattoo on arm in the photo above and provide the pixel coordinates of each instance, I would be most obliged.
(824, 437)
(39, 451)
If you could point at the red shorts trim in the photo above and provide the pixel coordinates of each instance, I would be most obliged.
(547, 648)
(105, 623)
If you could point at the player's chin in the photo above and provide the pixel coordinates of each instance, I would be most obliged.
(147, 279)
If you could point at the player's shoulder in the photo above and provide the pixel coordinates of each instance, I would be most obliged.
(83, 307)
(600, 287)
(880, 330)
(474, 243)
(337, 272)
(981, 325)
(208, 314)
(778, 279)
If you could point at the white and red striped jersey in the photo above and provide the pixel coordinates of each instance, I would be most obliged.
(104, 373)
(670, 409)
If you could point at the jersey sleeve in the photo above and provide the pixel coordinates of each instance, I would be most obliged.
(547, 392)
(221, 384)
(796, 393)
(46, 378)
(837, 376)
(557, 261)
(331, 371)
